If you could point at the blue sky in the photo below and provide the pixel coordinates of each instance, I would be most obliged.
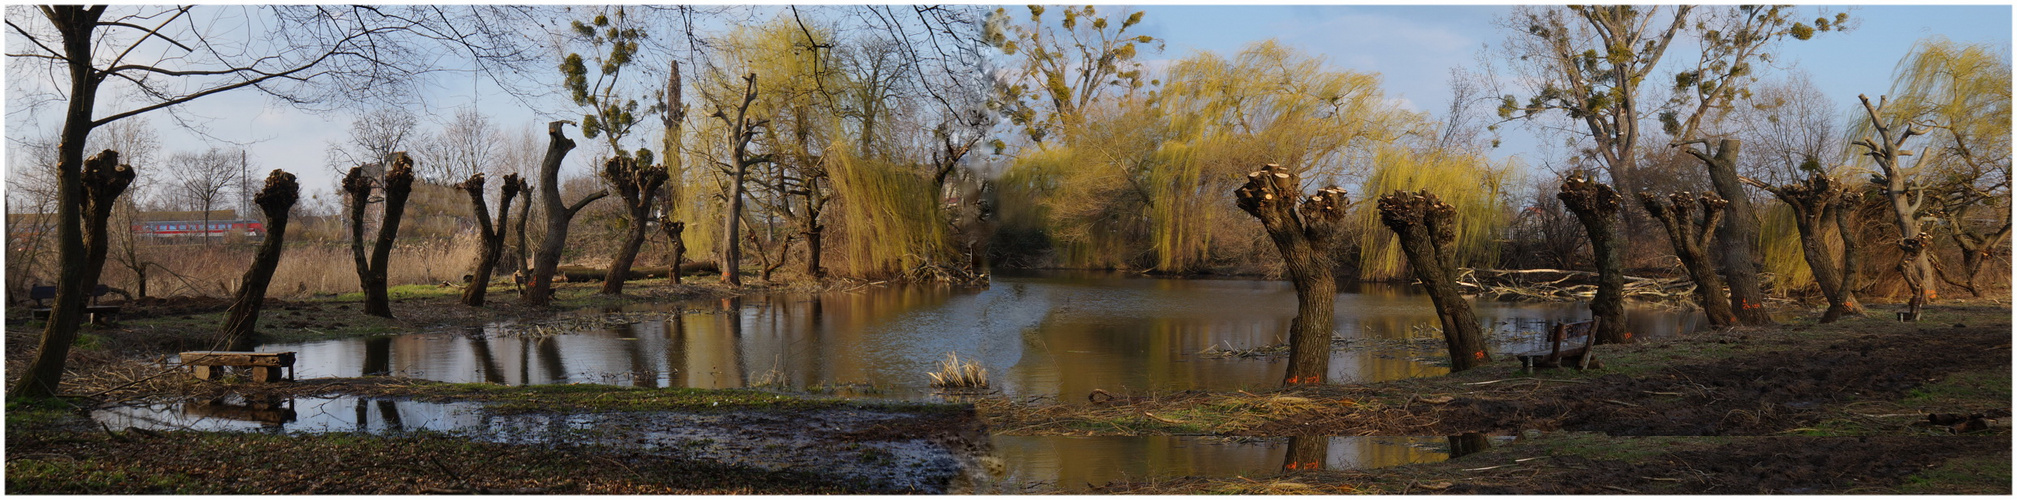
(1412, 47)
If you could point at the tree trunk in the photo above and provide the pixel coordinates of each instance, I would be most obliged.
(813, 240)
(1737, 237)
(492, 235)
(1691, 243)
(1427, 230)
(1815, 204)
(242, 320)
(1306, 453)
(520, 258)
(1596, 205)
(73, 277)
(636, 184)
(1914, 251)
(675, 242)
(559, 215)
(371, 272)
(1307, 242)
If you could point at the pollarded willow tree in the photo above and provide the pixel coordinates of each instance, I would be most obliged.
(242, 319)
(372, 268)
(1307, 231)
(1691, 239)
(1427, 229)
(166, 57)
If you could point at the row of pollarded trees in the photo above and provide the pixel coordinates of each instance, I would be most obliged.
(1958, 95)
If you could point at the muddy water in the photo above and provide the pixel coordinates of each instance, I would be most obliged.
(1068, 464)
(1059, 334)
(963, 462)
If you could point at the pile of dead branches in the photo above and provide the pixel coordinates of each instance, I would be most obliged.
(1550, 285)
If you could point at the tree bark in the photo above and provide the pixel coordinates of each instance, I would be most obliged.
(1815, 204)
(371, 272)
(1427, 230)
(74, 275)
(675, 243)
(1596, 205)
(1737, 237)
(492, 235)
(1691, 243)
(637, 184)
(241, 321)
(101, 180)
(1307, 240)
(559, 215)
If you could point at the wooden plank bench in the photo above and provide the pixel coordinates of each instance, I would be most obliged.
(1557, 357)
(266, 366)
(97, 314)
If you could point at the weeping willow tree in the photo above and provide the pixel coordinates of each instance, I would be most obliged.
(1144, 182)
(889, 220)
(1473, 185)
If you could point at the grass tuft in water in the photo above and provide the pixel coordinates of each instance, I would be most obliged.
(956, 374)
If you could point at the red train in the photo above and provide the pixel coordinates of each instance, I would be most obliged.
(191, 228)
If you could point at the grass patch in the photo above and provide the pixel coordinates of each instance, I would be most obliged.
(1979, 475)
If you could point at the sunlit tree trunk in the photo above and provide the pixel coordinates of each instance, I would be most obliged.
(539, 292)
(741, 131)
(637, 185)
(1307, 240)
(242, 320)
(1905, 198)
(1427, 230)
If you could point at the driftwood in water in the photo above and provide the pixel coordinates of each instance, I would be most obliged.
(1548, 285)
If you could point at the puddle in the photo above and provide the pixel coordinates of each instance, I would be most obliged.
(1057, 334)
(846, 443)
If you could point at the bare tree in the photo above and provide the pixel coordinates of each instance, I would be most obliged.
(374, 136)
(1817, 205)
(202, 180)
(1886, 147)
(275, 200)
(558, 216)
(742, 130)
(467, 145)
(170, 56)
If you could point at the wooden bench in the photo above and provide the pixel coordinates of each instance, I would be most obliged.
(1555, 356)
(98, 314)
(266, 366)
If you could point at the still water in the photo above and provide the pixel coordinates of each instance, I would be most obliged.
(992, 465)
(1059, 334)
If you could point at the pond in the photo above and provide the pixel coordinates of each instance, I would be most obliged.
(1052, 334)
(969, 463)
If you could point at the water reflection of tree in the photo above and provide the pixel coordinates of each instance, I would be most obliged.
(486, 361)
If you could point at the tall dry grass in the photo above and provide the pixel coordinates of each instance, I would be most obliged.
(306, 269)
